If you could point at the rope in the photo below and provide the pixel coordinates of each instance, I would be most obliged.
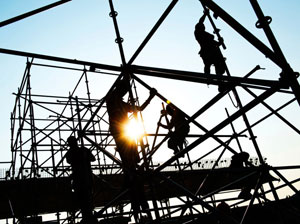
(235, 105)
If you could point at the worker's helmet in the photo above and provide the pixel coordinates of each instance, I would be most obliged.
(169, 109)
(200, 27)
(72, 140)
(123, 86)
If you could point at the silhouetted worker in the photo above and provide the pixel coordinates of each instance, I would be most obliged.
(224, 208)
(210, 51)
(118, 111)
(138, 197)
(118, 116)
(181, 128)
(237, 161)
(80, 159)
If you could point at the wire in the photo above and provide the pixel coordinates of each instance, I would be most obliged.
(235, 105)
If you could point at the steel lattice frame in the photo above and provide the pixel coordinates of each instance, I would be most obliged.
(38, 142)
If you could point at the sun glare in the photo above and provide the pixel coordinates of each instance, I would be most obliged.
(134, 129)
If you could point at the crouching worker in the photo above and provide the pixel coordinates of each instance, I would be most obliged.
(181, 128)
(238, 161)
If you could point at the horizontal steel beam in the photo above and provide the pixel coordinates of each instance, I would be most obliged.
(156, 72)
(59, 59)
(201, 77)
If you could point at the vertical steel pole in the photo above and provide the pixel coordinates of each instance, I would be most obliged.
(113, 14)
(287, 72)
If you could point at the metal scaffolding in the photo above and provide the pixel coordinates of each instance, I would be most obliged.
(178, 190)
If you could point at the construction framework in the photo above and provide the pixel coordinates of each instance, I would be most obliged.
(40, 124)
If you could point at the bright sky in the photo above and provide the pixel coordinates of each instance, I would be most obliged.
(83, 30)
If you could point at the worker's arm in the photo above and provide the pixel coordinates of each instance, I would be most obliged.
(163, 125)
(169, 126)
(153, 92)
(205, 13)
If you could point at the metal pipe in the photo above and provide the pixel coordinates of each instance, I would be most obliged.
(288, 74)
(119, 40)
(153, 30)
(274, 112)
(59, 59)
(200, 77)
(31, 13)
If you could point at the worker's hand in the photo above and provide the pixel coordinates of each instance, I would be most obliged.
(153, 92)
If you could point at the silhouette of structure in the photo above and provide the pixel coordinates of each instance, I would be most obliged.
(38, 181)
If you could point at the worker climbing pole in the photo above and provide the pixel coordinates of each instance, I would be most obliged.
(132, 171)
(216, 30)
(210, 51)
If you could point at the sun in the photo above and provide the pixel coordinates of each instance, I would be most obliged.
(134, 129)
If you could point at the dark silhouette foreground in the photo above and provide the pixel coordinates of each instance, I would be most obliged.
(238, 161)
(80, 159)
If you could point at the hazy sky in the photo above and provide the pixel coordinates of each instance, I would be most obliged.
(83, 30)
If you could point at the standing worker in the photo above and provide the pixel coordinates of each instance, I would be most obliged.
(118, 111)
(210, 51)
(80, 159)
